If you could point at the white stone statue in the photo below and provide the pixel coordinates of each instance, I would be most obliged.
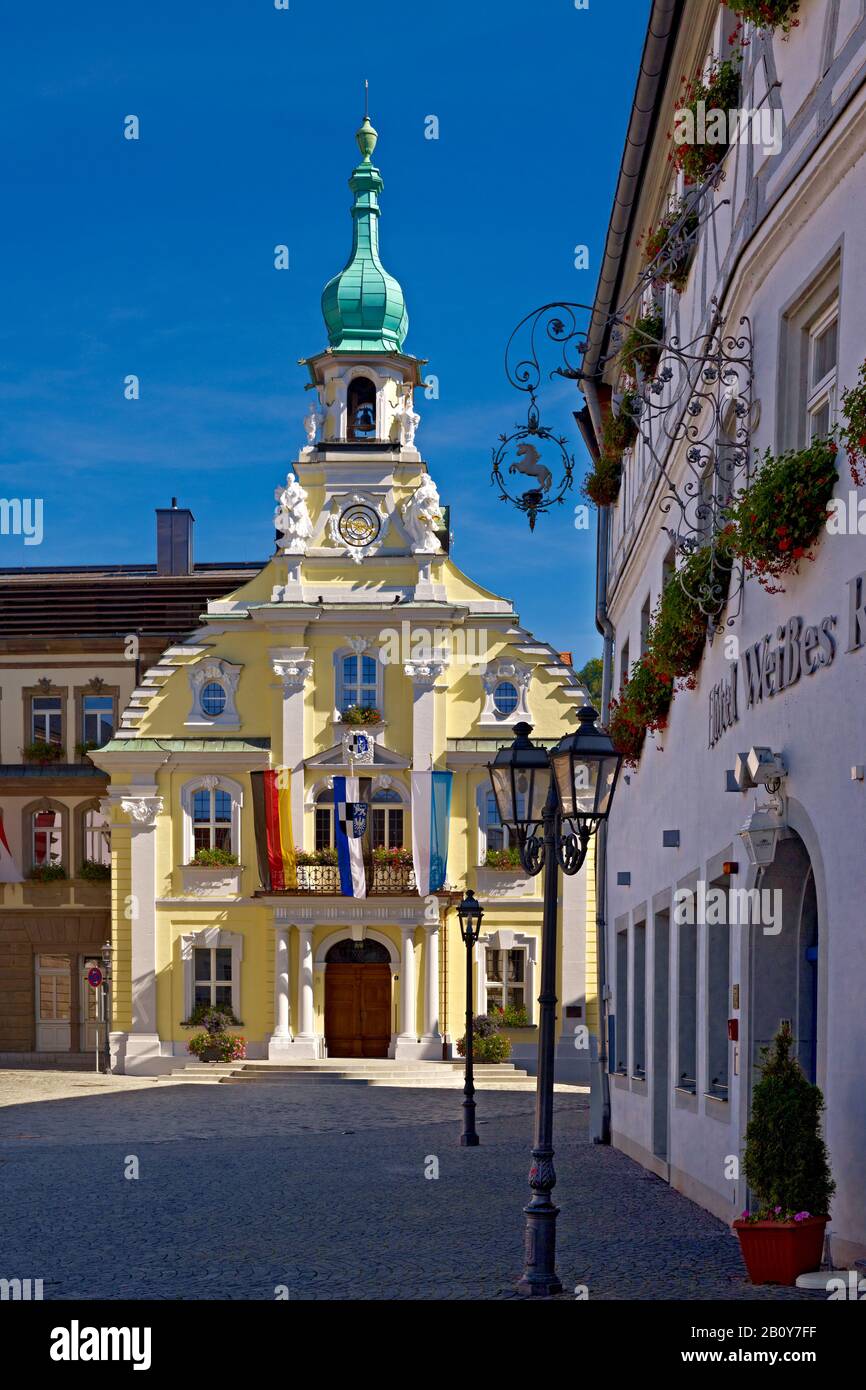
(422, 516)
(408, 419)
(314, 420)
(292, 516)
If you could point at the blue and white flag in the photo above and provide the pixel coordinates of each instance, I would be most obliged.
(431, 814)
(350, 824)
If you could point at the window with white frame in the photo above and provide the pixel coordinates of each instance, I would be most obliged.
(358, 682)
(823, 354)
(496, 835)
(97, 719)
(212, 808)
(211, 819)
(46, 719)
(212, 975)
(386, 825)
(505, 973)
(213, 699)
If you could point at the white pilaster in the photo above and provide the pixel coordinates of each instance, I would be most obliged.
(280, 1041)
(408, 1025)
(431, 983)
(423, 675)
(294, 670)
(142, 1054)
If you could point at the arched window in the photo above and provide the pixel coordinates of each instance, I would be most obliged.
(361, 409)
(505, 698)
(211, 819)
(95, 842)
(46, 842)
(211, 816)
(358, 682)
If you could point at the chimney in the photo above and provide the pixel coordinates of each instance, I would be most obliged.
(174, 527)
(565, 658)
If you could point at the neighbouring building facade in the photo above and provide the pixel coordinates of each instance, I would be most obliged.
(358, 664)
(763, 331)
(73, 642)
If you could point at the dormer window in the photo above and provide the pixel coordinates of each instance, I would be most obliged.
(213, 699)
(361, 409)
(505, 698)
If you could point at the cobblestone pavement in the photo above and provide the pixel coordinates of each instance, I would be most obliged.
(322, 1189)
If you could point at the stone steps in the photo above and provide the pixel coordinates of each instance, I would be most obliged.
(361, 1072)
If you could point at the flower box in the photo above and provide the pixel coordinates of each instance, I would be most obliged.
(776, 1252)
(504, 883)
(211, 880)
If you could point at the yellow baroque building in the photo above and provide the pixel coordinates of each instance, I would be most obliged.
(355, 664)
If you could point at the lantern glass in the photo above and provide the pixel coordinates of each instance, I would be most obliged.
(520, 777)
(585, 769)
(470, 913)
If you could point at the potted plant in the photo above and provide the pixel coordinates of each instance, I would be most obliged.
(42, 752)
(511, 1016)
(46, 873)
(776, 520)
(643, 343)
(360, 715)
(852, 434)
(785, 1164)
(93, 871)
(503, 858)
(670, 245)
(714, 94)
(766, 14)
(601, 485)
(86, 746)
(214, 858)
(488, 1044)
(215, 1043)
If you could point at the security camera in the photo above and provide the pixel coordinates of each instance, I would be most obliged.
(764, 766)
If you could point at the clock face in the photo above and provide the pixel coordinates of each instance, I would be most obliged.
(359, 525)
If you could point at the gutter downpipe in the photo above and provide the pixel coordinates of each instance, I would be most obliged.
(662, 30)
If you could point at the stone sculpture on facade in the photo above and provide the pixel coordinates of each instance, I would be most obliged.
(422, 516)
(292, 516)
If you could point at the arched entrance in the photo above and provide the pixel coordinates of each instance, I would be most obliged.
(785, 962)
(357, 999)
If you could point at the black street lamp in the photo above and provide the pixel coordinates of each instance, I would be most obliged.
(554, 803)
(470, 913)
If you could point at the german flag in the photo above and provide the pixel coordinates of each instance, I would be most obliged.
(275, 846)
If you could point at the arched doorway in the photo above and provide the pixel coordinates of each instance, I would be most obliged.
(785, 961)
(357, 999)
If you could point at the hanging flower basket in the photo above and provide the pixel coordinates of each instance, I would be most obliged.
(777, 519)
(642, 708)
(701, 127)
(670, 245)
(767, 14)
(852, 434)
(601, 486)
(642, 346)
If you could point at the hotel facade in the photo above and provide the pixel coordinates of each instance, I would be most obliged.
(772, 296)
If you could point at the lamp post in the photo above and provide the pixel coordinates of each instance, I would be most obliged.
(554, 803)
(470, 913)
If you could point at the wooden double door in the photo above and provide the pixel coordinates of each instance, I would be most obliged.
(357, 1010)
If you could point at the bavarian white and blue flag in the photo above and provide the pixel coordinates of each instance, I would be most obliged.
(431, 814)
(351, 831)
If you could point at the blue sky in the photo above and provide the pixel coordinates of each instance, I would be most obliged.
(155, 256)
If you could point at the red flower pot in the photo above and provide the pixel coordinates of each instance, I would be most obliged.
(775, 1252)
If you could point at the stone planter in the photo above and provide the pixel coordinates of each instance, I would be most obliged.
(776, 1252)
(211, 881)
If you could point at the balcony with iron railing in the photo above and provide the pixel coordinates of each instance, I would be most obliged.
(390, 872)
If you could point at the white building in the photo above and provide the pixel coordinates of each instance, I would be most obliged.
(781, 242)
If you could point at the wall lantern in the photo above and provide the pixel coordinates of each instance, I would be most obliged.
(760, 835)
